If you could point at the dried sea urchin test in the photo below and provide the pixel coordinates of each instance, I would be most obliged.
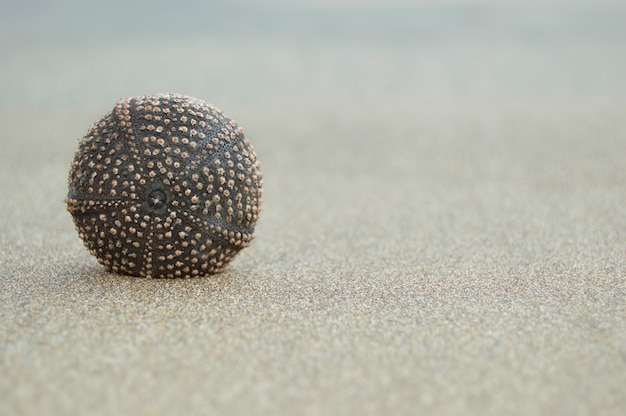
(165, 186)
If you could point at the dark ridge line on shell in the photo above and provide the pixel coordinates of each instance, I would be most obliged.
(210, 227)
(154, 272)
(124, 137)
(213, 234)
(136, 126)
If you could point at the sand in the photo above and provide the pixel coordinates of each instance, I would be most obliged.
(444, 225)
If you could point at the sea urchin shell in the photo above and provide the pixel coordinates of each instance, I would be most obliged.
(165, 186)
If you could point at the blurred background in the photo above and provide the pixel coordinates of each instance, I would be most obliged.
(443, 226)
(314, 55)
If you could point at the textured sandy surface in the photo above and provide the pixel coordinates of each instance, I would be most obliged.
(444, 227)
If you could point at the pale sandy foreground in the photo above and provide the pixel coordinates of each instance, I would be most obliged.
(444, 228)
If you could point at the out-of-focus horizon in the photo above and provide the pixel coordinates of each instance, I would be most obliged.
(281, 54)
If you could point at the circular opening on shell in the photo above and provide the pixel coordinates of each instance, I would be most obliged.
(156, 199)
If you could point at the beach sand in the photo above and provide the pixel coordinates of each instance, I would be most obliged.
(443, 228)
